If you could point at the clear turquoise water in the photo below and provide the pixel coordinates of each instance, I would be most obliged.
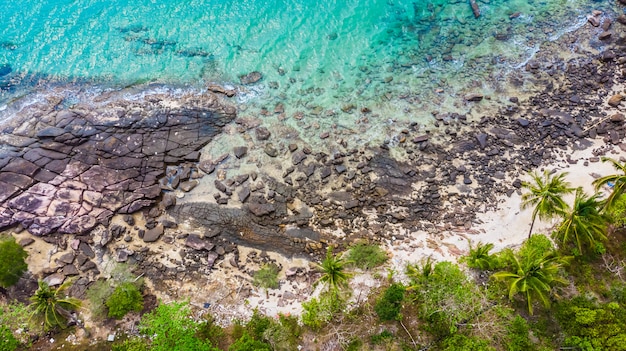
(315, 56)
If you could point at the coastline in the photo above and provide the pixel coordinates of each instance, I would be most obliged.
(416, 173)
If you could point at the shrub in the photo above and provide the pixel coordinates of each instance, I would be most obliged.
(367, 256)
(98, 294)
(445, 296)
(319, 311)
(539, 243)
(12, 262)
(248, 343)
(125, 298)
(284, 334)
(388, 306)
(517, 337)
(266, 277)
(460, 342)
(171, 328)
(16, 316)
(379, 339)
(8, 342)
(617, 212)
(479, 257)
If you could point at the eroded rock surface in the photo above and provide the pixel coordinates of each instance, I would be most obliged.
(68, 169)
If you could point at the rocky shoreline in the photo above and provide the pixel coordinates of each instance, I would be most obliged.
(139, 180)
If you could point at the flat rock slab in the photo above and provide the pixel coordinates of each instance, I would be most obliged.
(153, 234)
(72, 169)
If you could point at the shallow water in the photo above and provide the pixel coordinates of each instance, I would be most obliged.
(401, 59)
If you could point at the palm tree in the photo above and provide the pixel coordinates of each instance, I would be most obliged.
(51, 306)
(545, 194)
(584, 222)
(533, 275)
(479, 257)
(334, 274)
(618, 180)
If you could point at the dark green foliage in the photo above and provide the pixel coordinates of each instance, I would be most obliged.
(479, 257)
(257, 325)
(248, 343)
(12, 262)
(171, 328)
(8, 342)
(209, 330)
(445, 297)
(388, 306)
(460, 342)
(517, 338)
(618, 181)
(381, 338)
(125, 298)
(354, 345)
(617, 212)
(533, 275)
(583, 225)
(591, 326)
(537, 244)
(334, 273)
(51, 306)
(367, 256)
(545, 196)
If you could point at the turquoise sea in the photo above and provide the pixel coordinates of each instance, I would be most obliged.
(398, 58)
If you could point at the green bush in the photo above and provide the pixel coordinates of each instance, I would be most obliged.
(97, 294)
(479, 257)
(319, 311)
(8, 342)
(617, 212)
(388, 306)
(12, 261)
(589, 325)
(132, 344)
(518, 338)
(16, 316)
(171, 328)
(379, 339)
(367, 256)
(539, 243)
(125, 298)
(284, 334)
(460, 342)
(248, 343)
(445, 297)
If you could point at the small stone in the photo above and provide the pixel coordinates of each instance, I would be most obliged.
(262, 133)
(188, 185)
(594, 21)
(240, 151)
(474, 97)
(69, 270)
(270, 150)
(615, 100)
(324, 135)
(152, 235)
(250, 78)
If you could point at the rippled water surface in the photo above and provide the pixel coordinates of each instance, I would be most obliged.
(314, 55)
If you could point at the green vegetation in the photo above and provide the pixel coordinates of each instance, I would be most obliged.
(12, 261)
(334, 273)
(583, 223)
(266, 277)
(388, 306)
(618, 182)
(8, 342)
(479, 257)
(172, 328)
(533, 275)
(366, 256)
(545, 196)
(125, 298)
(117, 296)
(51, 307)
(320, 311)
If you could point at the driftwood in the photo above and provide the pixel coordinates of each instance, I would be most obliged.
(475, 8)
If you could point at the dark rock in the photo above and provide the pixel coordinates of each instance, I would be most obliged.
(197, 243)
(188, 185)
(270, 150)
(244, 193)
(240, 151)
(517, 183)
(153, 234)
(325, 172)
(67, 258)
(84, 248)
(262, 133)
(211, 258)
(594, 21)
(482, 140)
(54, 279)
(169, 200)
(523, 122)
(340, 169)
(298, 157)
(474, 97)
(168, 224)
(250, 78)
(261, 209)
(69, 270)
(26, 241)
